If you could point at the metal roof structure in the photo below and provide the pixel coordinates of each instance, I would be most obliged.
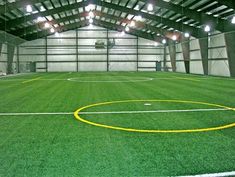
(151, 19)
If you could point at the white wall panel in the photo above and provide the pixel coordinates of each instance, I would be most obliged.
(219, 68)
(196, 67)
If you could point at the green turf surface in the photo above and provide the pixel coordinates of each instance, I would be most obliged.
(60, 145)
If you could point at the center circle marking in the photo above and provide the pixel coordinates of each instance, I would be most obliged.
(76, 114)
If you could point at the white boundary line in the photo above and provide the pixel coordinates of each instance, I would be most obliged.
(141, 79)
(111, 112)
(223, 174)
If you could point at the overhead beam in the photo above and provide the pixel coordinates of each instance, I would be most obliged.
(170, 23)
(28, 29)
(84, 23)
(15, 22)
(219, 24)
(228, 3)
(18, 4)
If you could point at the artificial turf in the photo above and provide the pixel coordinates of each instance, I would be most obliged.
(60, 145)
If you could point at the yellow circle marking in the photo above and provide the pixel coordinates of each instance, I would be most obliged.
(76, 114)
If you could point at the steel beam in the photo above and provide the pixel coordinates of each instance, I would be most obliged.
(219, 24)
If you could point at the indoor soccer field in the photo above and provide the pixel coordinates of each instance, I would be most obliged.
(158, 114)
(117, 88)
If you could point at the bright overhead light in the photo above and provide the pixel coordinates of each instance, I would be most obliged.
(164, 41)
(233, 20)
(47, 25)
(187, 35)
(91, 14)
(57, 34)
(52, 30)
(127, 29)
(132, 24)
(138, 18)
(150, 7)
(158, 34)
(207, 28)
(174, 37)
(122, 33)
(90, 20)
(29, 8)
(90, 7)
(155, 44)
(40, 19)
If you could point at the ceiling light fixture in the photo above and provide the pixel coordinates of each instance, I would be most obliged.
(138, 18)
(150, 7)
(91, 14)
(207, 28)
(127, 29)
(174, 37)
(47, 25)
(233, 20)
(164, 41)
(90, 20)
(29, 8)
(52, 30)
(132, 24)
(187, 35)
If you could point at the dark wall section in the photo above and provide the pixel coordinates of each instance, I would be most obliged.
(230, 46)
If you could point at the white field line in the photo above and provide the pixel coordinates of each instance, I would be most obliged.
(232, 173)
(111, 112)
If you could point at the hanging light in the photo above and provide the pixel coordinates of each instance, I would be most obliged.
(40, 19)
(132, 24)
(150, 7)
(122, 33)
(90, 20)
(47, 25)
(187, 35)
(91, 14)
(29, 8)
(52, 30)
(127, 29)
(164, 41)
(57, 34)
(233, 20)
(155, 44)
(207, 28)
(138, 18)
(174, 37)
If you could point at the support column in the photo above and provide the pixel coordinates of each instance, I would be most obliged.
(18, 59)
(1, 44)
(203, 42)
(164, 58)
(46, 57)
(186, 54)
(10, 56)
(107, 50)
(230, 46)
(137, 54)
(172, 50)
(77, 48)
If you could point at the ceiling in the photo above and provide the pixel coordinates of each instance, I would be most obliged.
(167, 20)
